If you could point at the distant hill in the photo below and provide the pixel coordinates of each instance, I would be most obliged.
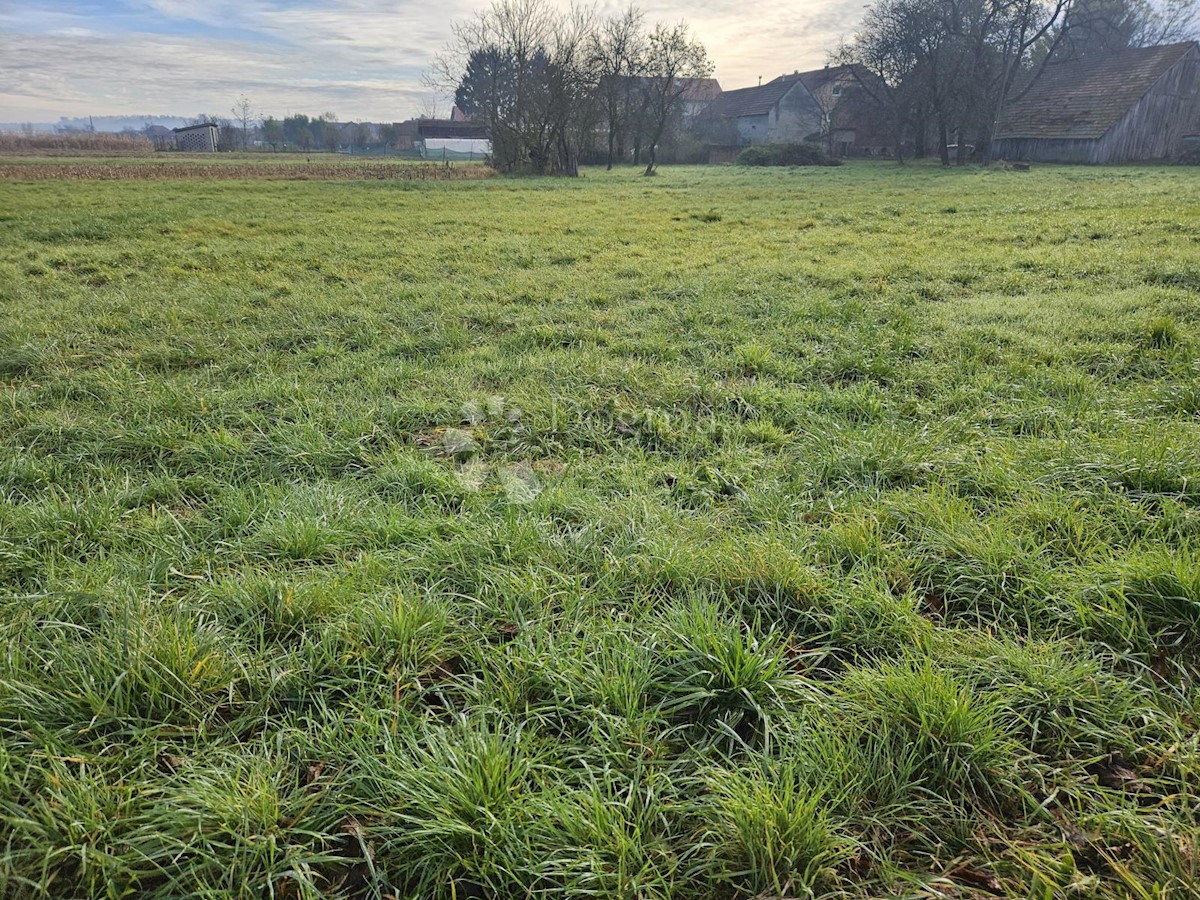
(113, 124)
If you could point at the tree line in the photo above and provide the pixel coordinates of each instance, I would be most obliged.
(298, 132)
(945, 70)
(555, 87)
(550, 84)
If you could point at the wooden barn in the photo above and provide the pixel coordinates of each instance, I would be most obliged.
(1136, 105)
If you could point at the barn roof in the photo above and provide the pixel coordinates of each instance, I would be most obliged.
(446, 128)
(699, 90)
(816, 79)
(1083, 99)
(693, 90)
(758, 101)
(195, 127)
(754, 101)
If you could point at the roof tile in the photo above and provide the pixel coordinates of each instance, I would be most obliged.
(1083, 99)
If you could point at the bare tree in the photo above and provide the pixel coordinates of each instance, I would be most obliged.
(389, 135)
(545, 81)
(329, 131)
(571, 88)
(363, 136)
(521, 67)
(673, 59)
(243, 114)
(958, 61)
(828, 97)
(1096, 27)
(430, 108)
(1028, 24)
(889, 47)
(1172, 21)
(618, 57)
(494, 66)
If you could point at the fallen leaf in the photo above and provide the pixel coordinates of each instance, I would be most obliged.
(978, 878)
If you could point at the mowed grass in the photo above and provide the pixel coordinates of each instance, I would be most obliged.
(724, 534)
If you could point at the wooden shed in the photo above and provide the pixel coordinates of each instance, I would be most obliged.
(1136, 105)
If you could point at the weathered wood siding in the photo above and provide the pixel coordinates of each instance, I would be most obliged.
(1152, 129)
(1044, 150)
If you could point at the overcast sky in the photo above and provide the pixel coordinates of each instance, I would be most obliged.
(362, 59)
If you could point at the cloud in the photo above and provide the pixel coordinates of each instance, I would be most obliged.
(360, 58)
(137, 74)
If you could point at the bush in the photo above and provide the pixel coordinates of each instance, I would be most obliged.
(757, 156)
(802, 154)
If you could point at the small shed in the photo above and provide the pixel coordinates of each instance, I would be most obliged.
(1135, 105)
(201, 138)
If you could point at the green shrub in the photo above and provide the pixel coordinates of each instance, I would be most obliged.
(798, 154)
(757, 156)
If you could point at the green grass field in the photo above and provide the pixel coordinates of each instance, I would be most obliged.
(276, 166)
(724, 534)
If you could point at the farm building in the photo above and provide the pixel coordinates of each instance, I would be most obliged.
(777, 112)
(453, 138)
(447, 129)
(854, 122)
(1136, 105)
(197, 138)
(412, 134)
(829, 104)
(698, 95)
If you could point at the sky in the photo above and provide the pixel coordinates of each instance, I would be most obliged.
(360, 59)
